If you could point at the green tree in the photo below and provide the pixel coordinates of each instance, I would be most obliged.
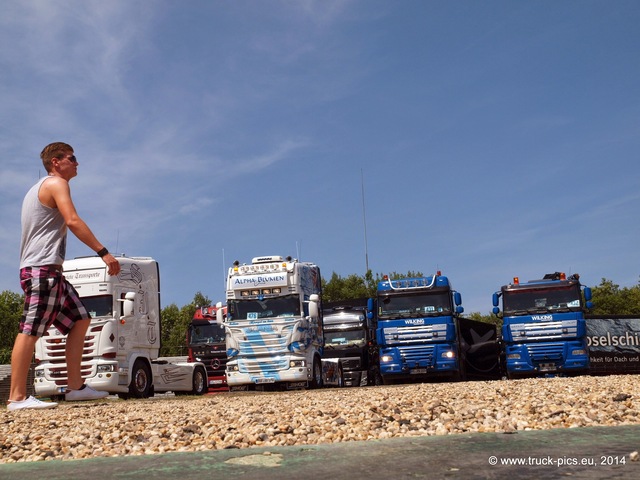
(339, 288)
(11, 305)
(175, 322)
(610, 299)
(170, 318)
(492, 319)
(410, 274)
(200, 300)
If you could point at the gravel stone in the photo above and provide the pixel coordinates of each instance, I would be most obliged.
(113, 427)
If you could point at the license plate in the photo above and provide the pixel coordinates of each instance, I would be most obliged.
(418, 371)
(296, 385)
(265, 380)
(547, 367)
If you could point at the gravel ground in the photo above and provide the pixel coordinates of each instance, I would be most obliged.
(114, 427)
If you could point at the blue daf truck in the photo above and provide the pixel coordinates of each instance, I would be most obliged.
(421, 335)
(544, 331)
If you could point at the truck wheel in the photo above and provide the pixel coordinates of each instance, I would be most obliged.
(461, 374)
(386, 380)
(200, 382)
(375, 379)
(140, 386)
(316, 380)
(340, 376)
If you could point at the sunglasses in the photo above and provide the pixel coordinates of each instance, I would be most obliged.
(72, 158)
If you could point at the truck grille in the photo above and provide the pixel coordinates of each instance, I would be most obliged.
(54, 355)
(414, 334)
(545, 352)
(268, 365)
(418, 356)
(216, 364)
(267, 345)
(349, 364)
(544, 330)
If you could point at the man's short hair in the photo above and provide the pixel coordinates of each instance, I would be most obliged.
(54, 150)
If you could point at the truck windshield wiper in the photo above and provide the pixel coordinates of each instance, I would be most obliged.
(405, 315)
(560, 309)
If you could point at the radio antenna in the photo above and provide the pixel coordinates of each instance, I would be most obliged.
(364, 221)
(224, 273)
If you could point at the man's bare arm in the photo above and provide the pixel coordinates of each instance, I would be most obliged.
(57, 194)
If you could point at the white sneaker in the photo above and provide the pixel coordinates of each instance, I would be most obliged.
(85, 393)
(30, 402)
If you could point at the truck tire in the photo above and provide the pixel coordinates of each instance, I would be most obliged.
(316, 380)
(374, 378)
(461, 374)
(388, 380)
(141, 381)
(200, 381)
(340, 376)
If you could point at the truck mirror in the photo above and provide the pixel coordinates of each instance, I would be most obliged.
(219, 314)
(457, 299)
(314, 308)
(128, 304)
(459, 309)
(496, 310)
(587, 294)
(370, 304)
(496, 300)
(589, 305)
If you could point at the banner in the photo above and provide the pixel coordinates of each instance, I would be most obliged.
(614, 345)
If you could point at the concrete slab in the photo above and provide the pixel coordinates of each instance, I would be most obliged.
(591, 453)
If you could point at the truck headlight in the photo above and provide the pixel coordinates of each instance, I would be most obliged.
(513, 356)
(580, 351)
(448, 354)
(106, 368)
(39, 373)
(386, 358)
(296, 363)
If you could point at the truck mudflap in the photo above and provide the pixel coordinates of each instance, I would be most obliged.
(480, 350)
(332, 373)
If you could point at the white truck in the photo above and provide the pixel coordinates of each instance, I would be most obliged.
(274, 325)
(123, 340)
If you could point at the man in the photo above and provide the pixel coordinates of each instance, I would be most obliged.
(47, 212)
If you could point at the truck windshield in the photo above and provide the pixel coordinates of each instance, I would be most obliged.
(536, 300)
(344, 339)
(287, 306)
(412, 305)
(99, 306)
(206, 334)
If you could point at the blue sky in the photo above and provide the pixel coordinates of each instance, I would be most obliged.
(493, 139)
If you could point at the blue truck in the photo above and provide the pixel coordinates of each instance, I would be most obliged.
(421, 335)
(544, 331)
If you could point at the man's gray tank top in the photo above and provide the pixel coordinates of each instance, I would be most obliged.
(44, 232)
